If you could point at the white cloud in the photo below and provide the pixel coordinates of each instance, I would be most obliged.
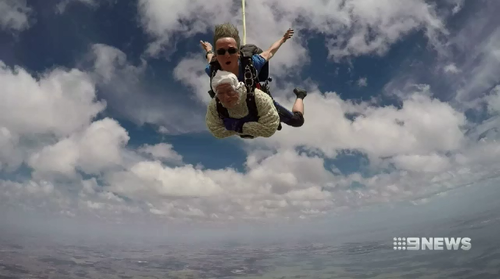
(60, 102)
(15, 15)
(470, 58)
(482, 67)
(459, 4)
(94, 150)
(466, 69)
(422, 163)
(422, 125)
(129, 95)
(451, 68)
(373, 26)
(283, 184)
(161, 19)
(162, 151)
(493, 100)
(60, 157)
(191, 72)
(186, 192)
(152, 180)
(111, 62)
(359, 27)
(363, 82)
(35, 112)
(10, 157)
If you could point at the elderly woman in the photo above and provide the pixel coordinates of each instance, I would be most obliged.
(241, 119)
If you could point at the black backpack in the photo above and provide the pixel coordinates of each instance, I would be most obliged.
(252, 80)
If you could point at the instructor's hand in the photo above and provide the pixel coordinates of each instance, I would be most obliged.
(288, 34)
(206, 46)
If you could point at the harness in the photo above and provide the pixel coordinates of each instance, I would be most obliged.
(251, 80)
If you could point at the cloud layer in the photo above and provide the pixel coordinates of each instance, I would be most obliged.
(58, 125)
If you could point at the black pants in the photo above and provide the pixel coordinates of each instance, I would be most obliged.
(294, 119)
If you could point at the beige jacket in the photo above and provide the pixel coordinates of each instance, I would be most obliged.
(265, 127)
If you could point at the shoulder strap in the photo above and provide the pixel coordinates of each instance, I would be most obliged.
(249, 73)
(223, 113)
(214, 67)
(252, 106)
(251, 81)
(249, 50)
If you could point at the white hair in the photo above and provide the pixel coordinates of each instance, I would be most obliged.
(224, 77)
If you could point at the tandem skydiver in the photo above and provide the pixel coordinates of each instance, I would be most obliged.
(249, 64)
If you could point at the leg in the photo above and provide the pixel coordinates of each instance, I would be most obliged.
(295, 119)
(298, 106)
(299, 102)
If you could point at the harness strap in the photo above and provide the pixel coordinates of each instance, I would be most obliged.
(223, 113)
(249, 74)
(214, 67)
(252, 106)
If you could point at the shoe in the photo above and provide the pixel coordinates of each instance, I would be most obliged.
(301, 93)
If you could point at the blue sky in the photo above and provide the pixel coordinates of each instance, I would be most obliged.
(106, 100)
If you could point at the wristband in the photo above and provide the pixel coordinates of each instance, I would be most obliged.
(208, 52)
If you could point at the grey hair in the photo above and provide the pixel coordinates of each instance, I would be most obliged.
(227, 30)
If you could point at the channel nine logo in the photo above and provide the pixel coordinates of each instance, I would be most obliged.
(432, 243)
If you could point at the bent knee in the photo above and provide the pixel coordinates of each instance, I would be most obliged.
(297, 120)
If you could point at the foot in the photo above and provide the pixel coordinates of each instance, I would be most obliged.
(301, 93)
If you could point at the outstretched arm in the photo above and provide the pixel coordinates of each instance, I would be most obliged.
(208, 49)
(209, 54)
(268, 54)
(215, 124)
(269, 119)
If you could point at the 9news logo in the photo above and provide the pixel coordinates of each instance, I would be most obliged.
(432, 243)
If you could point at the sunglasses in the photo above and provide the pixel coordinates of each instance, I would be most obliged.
(231, 50)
